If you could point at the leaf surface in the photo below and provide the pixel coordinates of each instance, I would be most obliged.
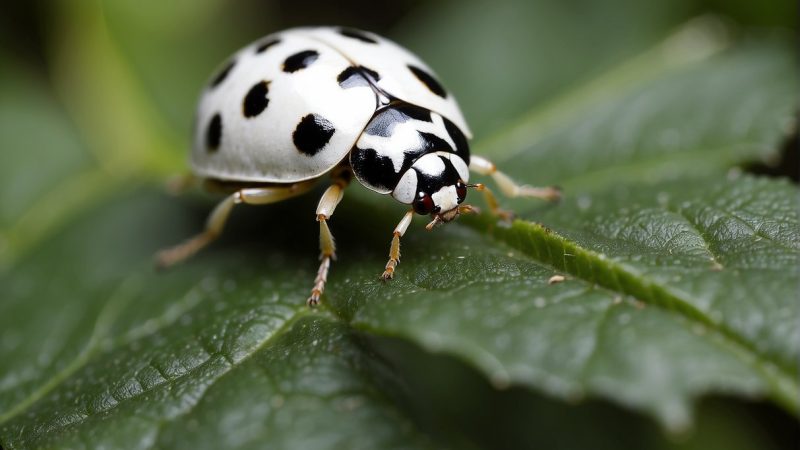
(680, 272)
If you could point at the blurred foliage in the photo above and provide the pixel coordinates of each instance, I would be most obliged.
(645, 112)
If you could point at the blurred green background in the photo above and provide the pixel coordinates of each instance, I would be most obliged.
(99, 92)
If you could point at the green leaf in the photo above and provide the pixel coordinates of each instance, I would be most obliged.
(520, 418)
(132, 356)
(680, 272)
(128, 358)
(665, 298)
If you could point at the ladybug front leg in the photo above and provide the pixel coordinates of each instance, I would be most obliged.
(394, 249)
(219, 216)
(508, 187)
(327, 204)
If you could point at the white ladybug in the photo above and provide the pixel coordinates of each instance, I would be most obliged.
(305, 102)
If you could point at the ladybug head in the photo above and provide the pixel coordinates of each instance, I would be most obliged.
(436, 184)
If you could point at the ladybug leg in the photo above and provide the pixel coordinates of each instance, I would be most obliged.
(491, 201)
(507, 186)
(394, 249)
(327, 205)
(219, 216)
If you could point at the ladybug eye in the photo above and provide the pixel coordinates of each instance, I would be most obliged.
(424, 204)
(461, 191)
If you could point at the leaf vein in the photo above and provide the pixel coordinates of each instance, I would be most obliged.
(782, 382)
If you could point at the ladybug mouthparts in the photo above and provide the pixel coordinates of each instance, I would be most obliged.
(447, 216)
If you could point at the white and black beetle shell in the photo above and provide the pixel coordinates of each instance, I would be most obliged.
(300, 103)
(291, 106)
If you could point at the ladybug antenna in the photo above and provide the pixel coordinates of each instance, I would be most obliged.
(450, 215)
(478, 186)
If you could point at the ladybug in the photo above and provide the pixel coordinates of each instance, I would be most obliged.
(295, 106)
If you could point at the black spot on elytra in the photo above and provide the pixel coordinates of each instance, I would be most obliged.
(374, 169)
(300, 60)
(222, 74)
(312, 133)
(214, 133)
(262, 47)
(357, 76)
(462, 148)
(256, 101)
(428, 80)
(351, 77)
(356, 34)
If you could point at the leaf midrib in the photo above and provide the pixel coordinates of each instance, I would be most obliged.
(783, 384)
(659, 295)
(549, 112)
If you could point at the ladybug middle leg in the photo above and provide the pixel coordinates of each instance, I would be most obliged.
(340, 179)
(394, 249)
